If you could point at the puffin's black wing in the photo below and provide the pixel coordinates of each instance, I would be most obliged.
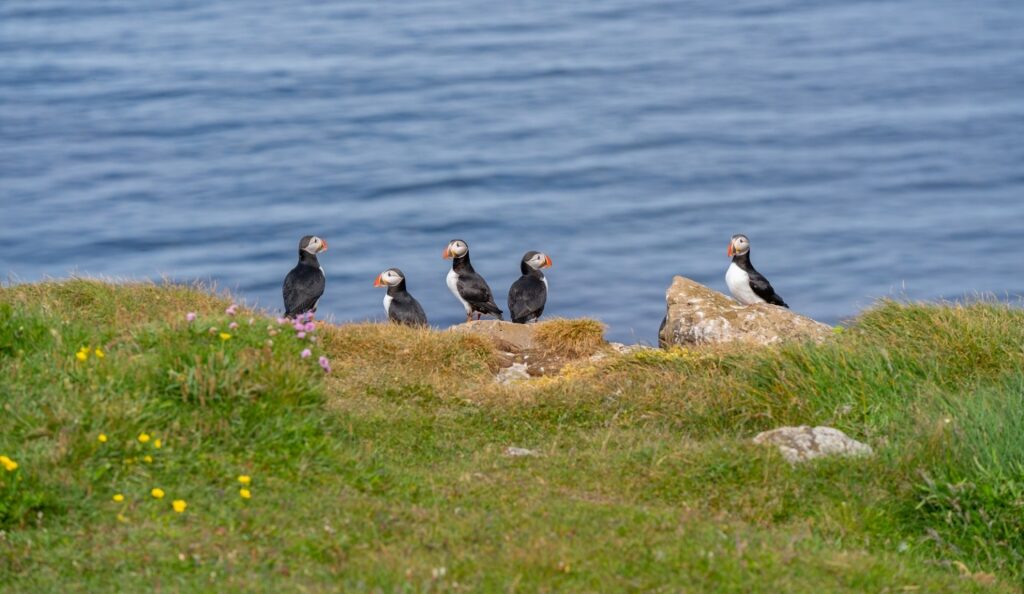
(406, 310)
(526, 299)
(763, 289)
(475, 291)
(303, 286)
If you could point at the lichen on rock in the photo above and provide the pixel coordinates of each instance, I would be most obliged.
(697, 315)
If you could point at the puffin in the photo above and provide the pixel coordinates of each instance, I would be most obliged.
(401, 307)
(746, 284)
(305, 283)
(529, 293)
(468, 287)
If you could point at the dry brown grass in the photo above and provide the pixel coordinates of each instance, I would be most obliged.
(573, 338)
(373, 358)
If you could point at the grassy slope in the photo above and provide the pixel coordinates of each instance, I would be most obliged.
(389, 473)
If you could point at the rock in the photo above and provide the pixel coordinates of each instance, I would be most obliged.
(518, 452)
(798, 444)
(618, 348)
(697, 315)
(519, 346)
(507, 375)
(515, 338)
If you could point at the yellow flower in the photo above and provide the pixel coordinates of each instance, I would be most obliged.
(143, 437)
(225, 336)
(148, 459)
(179, 505)
(244, 479)
(157, 493)
(102, 438)
(158, 444)
(82, 355)
(8, 464)
(99, 353)
(119, 498)
(121, 518)
(245, 493)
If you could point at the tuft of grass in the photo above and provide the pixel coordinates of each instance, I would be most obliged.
(390, 473)
(573, 338)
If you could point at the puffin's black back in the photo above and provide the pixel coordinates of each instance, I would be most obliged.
(473, 288)
(305, 284)
(758, 283)
(404, 308)
(526, 298)
(529, 294)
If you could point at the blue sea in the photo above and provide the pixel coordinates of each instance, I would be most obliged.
(867, 148)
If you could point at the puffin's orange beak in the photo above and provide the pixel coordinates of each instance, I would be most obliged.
(324, 241)
(547, 261)
(378, 282)
(447, 253)
(731, 251)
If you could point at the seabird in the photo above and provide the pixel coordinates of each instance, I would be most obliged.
(529, 293)
(305, 283)
(401, 307)
(746, 284)
(468, 287)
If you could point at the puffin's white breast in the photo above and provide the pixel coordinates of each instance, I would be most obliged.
(453, 285)
(739, 285)
(387, 303)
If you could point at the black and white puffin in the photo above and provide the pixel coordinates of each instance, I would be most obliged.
(746, 284)
(305, 283)
(529, 293)
(468, 287)
(401, 307)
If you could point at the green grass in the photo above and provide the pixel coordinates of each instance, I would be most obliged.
(389, 473)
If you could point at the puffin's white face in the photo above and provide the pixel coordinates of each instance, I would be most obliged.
(388, 278)
(739, 245)
(315, 245)
(456, 249)
(538, 261)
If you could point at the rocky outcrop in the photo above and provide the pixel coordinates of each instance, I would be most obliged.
(515, 338)
(524, 352)
(697, 315)
(798, 444)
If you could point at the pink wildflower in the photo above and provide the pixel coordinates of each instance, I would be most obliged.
(190, 316)
(282, 320)
(301, 335)
(306, 353)
(232, 309)
(325, 364)
(233, 325)
(310, 326)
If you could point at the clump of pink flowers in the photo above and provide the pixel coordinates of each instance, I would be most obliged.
(306, 353)
(190, 316)
(325, 364)
(232, 309)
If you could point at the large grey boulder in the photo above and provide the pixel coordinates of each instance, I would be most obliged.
(697, 315)
(798, 444)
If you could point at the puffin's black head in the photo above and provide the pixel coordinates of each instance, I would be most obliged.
(537, 260)
(312, 244)
(456, 249)
(738, 245)
(389, 278)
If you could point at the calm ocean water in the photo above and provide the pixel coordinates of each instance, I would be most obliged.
(867, 148)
